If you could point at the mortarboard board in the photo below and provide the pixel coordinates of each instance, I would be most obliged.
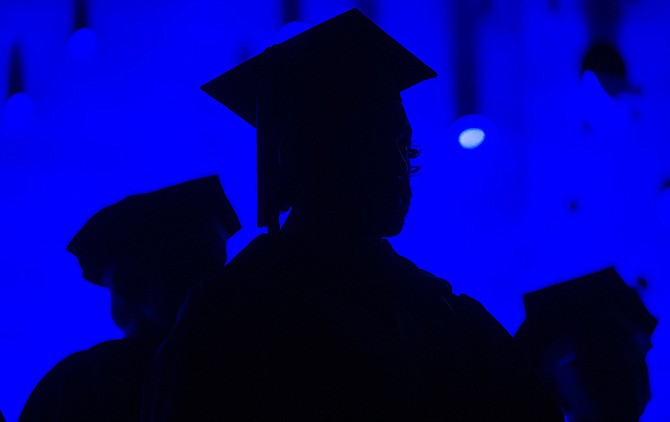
(340, 64)
(591, 299)
(163, 223)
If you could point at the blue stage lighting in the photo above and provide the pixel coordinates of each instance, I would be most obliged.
(591, 84)
(663, 209)
(289, 30)
(82, 44)
(16, 114)
(471, 138)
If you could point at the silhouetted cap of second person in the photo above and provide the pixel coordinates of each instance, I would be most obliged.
(158, 230)
(291, 91)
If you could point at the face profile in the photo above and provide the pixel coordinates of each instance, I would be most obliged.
(380, 179)
(357, 175)
(142, 305)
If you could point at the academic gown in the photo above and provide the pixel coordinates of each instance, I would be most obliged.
(299, 330)
(101, 384)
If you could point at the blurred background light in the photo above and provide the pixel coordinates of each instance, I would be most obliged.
(289, 30)
(16, 114)
(471, 138)
(592, 86)
(18, 106)
(663, 208)
(604, 60)
(82, 44)
(83, 39)
(471, 131)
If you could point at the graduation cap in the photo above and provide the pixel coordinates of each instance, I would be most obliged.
(339, 65)
(586, 302)
(157, 227)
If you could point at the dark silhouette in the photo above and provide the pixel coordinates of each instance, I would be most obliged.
(322, 320)
(148, 250)
(588, 339)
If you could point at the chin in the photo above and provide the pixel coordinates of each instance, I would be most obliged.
(392, 225)
(378, 217)
(391, 232)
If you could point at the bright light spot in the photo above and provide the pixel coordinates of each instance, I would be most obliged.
(471, 130)
(471, 138)
(82, 44)
(17, 113)
(289, 30)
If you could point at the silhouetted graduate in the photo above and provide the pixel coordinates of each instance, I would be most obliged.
(588, 339)
(322, 320)
(148, 250)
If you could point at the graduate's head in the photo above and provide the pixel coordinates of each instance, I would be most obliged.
(150, 249)
(333, 137)
(588, 339)
(354, 165)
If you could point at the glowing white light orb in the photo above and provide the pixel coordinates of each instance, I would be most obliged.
(471, 138)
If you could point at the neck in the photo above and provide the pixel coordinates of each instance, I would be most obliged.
(327, 227)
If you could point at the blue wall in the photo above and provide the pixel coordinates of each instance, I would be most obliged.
(568, 180)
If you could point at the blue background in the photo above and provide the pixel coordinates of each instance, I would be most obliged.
(567, 181)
